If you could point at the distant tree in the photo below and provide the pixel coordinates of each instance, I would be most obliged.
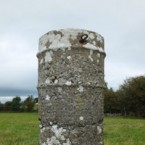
(132, 94)
(16, 103)
(111, 102)
(1, 106)
(36, 104)
(36, 100)
(36, 107)
(8, 106)
(28, 104)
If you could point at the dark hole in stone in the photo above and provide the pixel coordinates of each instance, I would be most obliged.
(53, 80)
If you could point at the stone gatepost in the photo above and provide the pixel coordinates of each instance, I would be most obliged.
(70, 87)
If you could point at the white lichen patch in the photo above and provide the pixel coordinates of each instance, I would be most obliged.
(90, 56)
(68, 57)
(42, 41)
(58, 132)
(43, 48)
(47, 81)
(80, 89)
(59, 42)
(91, 35)
(40, 125)
(93, 47)
(98, 55)
(48, 56)
(81, 118)
(53, 141)
(56, 81)
(68, 83)
(88, 83)
(47, 98)
(94, 42)
(63, 39)
(43, 129)
(69, 48)
(99, 129)
(54, 40)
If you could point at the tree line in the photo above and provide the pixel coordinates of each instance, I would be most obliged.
(30, 104)
(128, 100)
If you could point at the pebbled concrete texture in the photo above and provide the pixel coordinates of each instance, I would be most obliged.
(70, 87)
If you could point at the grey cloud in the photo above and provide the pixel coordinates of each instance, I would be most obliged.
(16, 92)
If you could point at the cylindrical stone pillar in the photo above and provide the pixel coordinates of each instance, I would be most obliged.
(70, 87)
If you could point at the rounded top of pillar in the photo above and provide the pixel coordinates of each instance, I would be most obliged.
(71, 38)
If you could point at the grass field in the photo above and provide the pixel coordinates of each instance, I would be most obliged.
(22, 129)
(19, 129)
(123, 131)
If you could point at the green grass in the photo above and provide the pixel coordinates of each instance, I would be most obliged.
(124, 131)
(19, 129)
(22, 129)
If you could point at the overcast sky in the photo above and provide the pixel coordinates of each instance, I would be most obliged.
(22, 22)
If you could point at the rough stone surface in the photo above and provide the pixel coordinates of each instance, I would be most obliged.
(70, 87)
